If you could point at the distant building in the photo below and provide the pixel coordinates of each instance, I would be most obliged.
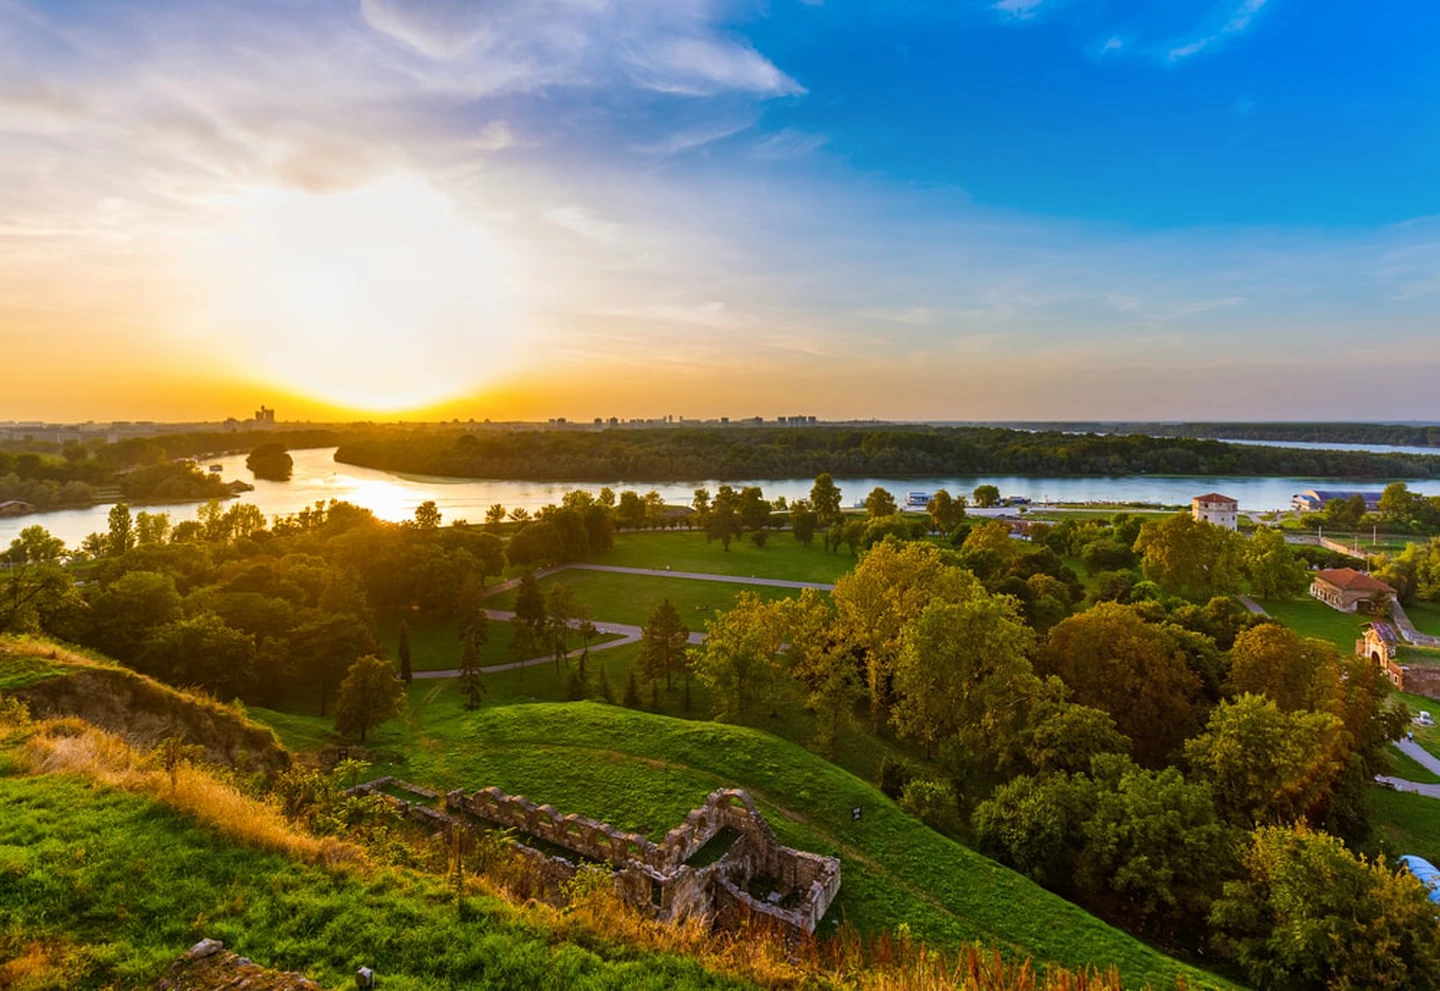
(1346, 589)
(1314, 500)
(264, 419)
(1212, 507)
(1380, 643)
(15, 507)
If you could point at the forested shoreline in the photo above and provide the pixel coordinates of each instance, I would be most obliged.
(731, 453)
(1396, 434)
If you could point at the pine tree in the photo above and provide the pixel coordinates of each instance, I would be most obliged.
(603, 685)
(575, 689)
(663, 645)
(632, 692)
(654, 697)
(403, 650)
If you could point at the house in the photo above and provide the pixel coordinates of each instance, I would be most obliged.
(1314, 500)
(15, 507)
(1212, 507)
(1346, 589)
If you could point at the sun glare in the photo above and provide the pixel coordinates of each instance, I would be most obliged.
(377, 298)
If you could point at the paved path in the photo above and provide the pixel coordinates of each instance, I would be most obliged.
(1252, 605)
(1419, 754)
(1400, 784)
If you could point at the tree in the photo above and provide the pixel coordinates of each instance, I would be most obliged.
(945, 511)
(701, 505)
(1265, 766)
(631, 699)
(1189, 557)
(369, 695)
(560, 609)
(1274, 661)
(740, 656)
(724, 521)
(495, 519)
(1062, 736)
(201, 650)
(803, 521)
(31, 578)
(151, 528)
(962, 674)
(880, 503)
(402, 650)
(1113, 660)
(986, 496)
(825, 499)
(630, 512)
(271, 462)
(885, 592)
(826, 667)
(1308, 913)
(129, 609)
(324, 649)
(663, 644)
(122, 536)
(489, 553)
(1275, 572)
(529, 610)
(754, 510)
(535, 544)
(470, 683)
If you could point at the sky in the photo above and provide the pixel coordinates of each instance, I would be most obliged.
(903, 209)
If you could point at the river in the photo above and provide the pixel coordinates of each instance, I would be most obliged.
(319, 478)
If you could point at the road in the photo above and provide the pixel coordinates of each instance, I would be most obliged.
(1400, 784)
(1251, 605)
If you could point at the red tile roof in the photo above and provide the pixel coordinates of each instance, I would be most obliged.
(1215, 497)
(1350, 580)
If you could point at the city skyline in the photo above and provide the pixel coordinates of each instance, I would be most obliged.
(1013, 210)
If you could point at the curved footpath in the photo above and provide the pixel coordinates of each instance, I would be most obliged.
(628, 633)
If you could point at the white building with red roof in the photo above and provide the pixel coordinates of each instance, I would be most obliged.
(1345, 588)
(1212, 507)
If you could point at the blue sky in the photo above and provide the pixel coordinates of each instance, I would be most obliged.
(998, 208)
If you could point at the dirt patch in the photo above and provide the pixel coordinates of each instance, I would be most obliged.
(210, 967)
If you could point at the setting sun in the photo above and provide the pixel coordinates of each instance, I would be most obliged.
(375, 298)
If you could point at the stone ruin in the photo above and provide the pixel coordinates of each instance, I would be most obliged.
(789, 887)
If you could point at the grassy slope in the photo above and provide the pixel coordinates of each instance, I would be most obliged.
(643, 772)
(134, 884)
(632, 598)
(1425, 616)
(1411, 823)
(1312, 618)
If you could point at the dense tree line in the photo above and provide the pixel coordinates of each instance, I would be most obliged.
(1403, 435)
(677, 453)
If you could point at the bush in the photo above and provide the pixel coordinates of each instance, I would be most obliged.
(895, 774)
(933, 803)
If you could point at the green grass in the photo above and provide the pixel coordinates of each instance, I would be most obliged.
(632, 598)
(1425, 616)
(1427, 736)
(17, 671)
(643, 772)
(435, 642)
(1408, 823)
(125, 886)
(1313, 618)
(681, 550)
(1411, 769)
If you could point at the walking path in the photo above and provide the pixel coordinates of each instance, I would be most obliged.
(1407, 628)
(699, 576)
(1400, 784)
(1419, 755)
(1251, 605)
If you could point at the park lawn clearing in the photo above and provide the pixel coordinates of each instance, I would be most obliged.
(116, 886)
(1408, 822)
(1427, 736)
(1425, 616)
(1410, 769)
(623, 598)
(435, 641)
(782, 556)
(643, 772)
(1313, 618)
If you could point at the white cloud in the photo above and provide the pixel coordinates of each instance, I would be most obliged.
(494, 136)
(695, 137)
(582, 221)
(1240, 18)
(788, 144)
(700, 66)
(1021, 9)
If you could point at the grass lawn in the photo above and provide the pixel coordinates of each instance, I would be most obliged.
(1312, 618)
(1408, 823)
(1410, 769)
(682, 550)
(1425, 616)
(632, 598)
(113, 887)
(643, 772)
(435, 642)
(1427, 736)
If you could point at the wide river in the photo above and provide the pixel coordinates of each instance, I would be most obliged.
(319, 478)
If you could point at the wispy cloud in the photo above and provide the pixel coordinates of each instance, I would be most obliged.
(1239, 20)
(787, 144)
(582, 221)
(698, 136)
(1019, 9)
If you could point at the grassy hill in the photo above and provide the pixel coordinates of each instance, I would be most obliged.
(642, 772)
(55, 681)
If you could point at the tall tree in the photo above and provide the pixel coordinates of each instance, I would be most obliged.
(369, 695)
(495, 519)
(529, 611)
(701, 505)
(1274, 571)
(402, 650)
(963, 674)
(724, 522)
(663, 644)
(427, 516)
(945, 511)
(470, 674)
(122, 535)
(740, 658)
(803, 521)
(1190, 557)
(1274, 661)
(825, 499)
(986, 496)
(560, 609)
